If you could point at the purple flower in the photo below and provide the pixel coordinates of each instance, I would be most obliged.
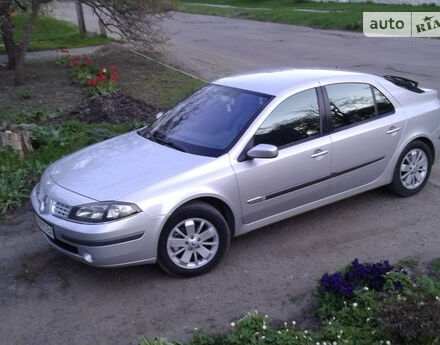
(357, 276)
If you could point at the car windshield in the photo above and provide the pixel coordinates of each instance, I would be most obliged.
(209, 122)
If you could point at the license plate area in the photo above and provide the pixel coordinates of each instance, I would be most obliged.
(43, 226)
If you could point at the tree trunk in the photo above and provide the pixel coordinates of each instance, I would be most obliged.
(6, 29)
(19, 69)
(10, 46)
(80, 17)
(24, 45)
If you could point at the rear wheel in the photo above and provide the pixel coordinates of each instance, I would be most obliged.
(412, 169)
(193, 241)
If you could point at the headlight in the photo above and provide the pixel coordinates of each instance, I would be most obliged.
(100, 212)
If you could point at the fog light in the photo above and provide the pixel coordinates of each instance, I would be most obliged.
(88, 257)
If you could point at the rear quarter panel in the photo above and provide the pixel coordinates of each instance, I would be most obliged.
(422, 111)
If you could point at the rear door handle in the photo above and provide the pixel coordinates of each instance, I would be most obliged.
(319, 153)
(392, 130)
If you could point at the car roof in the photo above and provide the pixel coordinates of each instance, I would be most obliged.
(275, 82)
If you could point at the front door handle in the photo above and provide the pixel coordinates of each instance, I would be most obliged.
(392, 130)
(319, 153)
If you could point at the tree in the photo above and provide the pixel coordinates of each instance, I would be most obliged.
(136, 21)
(17, 51)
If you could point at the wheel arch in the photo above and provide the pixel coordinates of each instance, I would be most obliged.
(218, 203)
(418, 137)
(428, 142)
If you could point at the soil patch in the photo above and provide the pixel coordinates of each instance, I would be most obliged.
(114, 108)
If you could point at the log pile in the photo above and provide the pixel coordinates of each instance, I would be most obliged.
(17, 137)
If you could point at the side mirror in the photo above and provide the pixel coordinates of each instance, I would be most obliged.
(263, 151)
(159, 114)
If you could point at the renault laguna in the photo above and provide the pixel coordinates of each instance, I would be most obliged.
(241, 153)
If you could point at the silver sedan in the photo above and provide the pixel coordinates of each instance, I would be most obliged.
(241, 153)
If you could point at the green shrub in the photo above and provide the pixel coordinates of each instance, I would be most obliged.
(26, 94)
(31, 117)
(412, 319)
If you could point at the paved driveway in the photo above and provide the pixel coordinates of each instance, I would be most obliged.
(47, 298)
(216, 46)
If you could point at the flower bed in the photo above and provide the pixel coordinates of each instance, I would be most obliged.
(362, 304)
(99, 81)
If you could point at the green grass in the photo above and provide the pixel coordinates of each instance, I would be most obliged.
(343, 16)
(174, 87)
(50, 33)
(409, 262)
(435, 267)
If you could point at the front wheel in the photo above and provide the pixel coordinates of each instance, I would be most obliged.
(193, 241)
(412, 169)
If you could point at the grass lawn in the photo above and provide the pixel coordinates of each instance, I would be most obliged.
(49, 93)
(50, 33)
(328, 15)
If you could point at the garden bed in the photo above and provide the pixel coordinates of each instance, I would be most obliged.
(66, 118)
(362, 304)
(115, 108)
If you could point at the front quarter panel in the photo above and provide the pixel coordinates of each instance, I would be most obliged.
(215, 179)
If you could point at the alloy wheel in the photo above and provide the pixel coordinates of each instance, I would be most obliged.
(414, 168)
(192, 243)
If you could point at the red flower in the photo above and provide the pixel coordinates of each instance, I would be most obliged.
(91, 83)
(114, 75)
(71, 64)
(112, 67)
(78, 59)
(88, 61)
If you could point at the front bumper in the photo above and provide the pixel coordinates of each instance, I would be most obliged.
(129, 241)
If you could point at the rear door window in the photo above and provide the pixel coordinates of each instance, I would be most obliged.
(350, 103)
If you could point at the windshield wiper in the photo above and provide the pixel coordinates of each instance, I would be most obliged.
(148, 134)
(168, 143)
(144, 132)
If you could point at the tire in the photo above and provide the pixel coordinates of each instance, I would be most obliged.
(193, 256)
(398, 186)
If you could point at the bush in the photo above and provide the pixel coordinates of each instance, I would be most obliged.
(412, 319)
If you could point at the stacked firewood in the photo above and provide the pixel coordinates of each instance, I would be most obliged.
(17, 137)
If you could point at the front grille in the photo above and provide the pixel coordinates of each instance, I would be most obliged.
(60, 210)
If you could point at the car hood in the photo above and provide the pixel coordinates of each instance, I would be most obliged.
(120, 166)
